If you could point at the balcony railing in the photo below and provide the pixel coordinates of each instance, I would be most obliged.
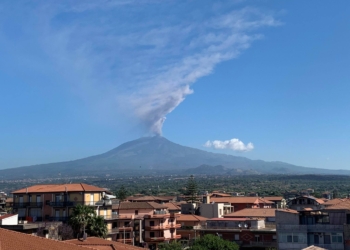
(126, 240)
(27, 204)
(175, 236)
(154, 239)
(111, 217)
(159, 227)
(61, 204)
(63, 219)
(263, 243)
(173, 225)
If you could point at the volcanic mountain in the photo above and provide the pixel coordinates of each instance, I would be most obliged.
(157, 154)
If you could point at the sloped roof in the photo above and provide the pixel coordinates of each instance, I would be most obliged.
(102, 244)
(55, 188)
(240, 199)
(190, 217)
(141, 205)
(253, 212)
(147, 198)
(7, 216)
(10, 240)
(220, 194)
(273, 198)
(172, 206)
(287, 210)
(333, 202)
(341, 205)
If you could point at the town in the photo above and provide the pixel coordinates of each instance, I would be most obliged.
(297, 220)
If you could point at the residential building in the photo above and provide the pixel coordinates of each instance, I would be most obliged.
(328, 228)
(55, 202)
(307, 202)
(239, 203)
(279, 201)
(190, 224)
(173, 207)
(267, 214)
(100, 244)
(144, 223)
(215, 210)
(247, 233)
(3, 198)
(150, 198)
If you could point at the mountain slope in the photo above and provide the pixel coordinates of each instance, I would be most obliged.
(156, 154)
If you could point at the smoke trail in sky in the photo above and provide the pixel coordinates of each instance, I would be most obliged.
(139, 59)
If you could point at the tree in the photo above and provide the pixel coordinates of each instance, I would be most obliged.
(191, 189)
(82, 215)
(213, 242)
(122, 193)
(97, 227)
(170, 246)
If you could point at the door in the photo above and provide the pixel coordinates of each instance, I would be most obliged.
(38, 199)
(91, 199)
(57, 214)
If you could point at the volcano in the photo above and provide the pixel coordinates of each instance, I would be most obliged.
(149, 154)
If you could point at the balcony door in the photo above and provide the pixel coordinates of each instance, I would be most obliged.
(57, 213)
(91, 199)
(38, 199)
(21, 200)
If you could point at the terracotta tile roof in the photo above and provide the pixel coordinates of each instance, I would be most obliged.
(220, 194)
(273, 198)
(287, 210)
(240, 199)
(7, 216)
(147, 198)
(11, 240)
(228, 219)
(253, 212)
(332, 202)
(77, 187)
(141, 205)
(102, 244)
(172, 206)
(342, 205)
(190, 217)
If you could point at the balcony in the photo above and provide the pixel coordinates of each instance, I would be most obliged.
(125, 241)
(61, 204)
(159, 227)
(173, 225)
(113, 230)
(175, 236)
(27, 204)
(63, 219)
(261, 244)
(111, 217)
(126, 229)
(155, 239)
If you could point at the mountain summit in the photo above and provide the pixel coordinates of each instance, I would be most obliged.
(157, 154)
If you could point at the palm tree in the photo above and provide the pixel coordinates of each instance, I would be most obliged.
(98, 227)
(82, 215)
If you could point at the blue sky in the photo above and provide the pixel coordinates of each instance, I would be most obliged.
(78, 78)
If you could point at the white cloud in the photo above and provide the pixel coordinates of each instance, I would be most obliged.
(233, 144)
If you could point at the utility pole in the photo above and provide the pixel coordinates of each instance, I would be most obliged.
(124, 233)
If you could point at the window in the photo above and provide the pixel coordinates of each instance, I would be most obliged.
(289, 238)
(327, 239)
(151, 234)
(136, 212)
(151, 223)
(126, 223)
(337, 238)
(236, 236)
(295, 238)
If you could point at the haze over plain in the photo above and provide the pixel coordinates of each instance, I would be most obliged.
(77, 80)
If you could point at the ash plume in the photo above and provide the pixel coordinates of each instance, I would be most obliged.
(144, 67)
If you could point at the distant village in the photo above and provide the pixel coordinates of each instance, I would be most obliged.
(296, 221)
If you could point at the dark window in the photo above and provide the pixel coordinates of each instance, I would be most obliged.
(136, 212)
(327, 239)
(151, 234)
(151, 223)
(289, 238)
(126, 223)
(348, 219)
(316, 239)
(295, 238)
